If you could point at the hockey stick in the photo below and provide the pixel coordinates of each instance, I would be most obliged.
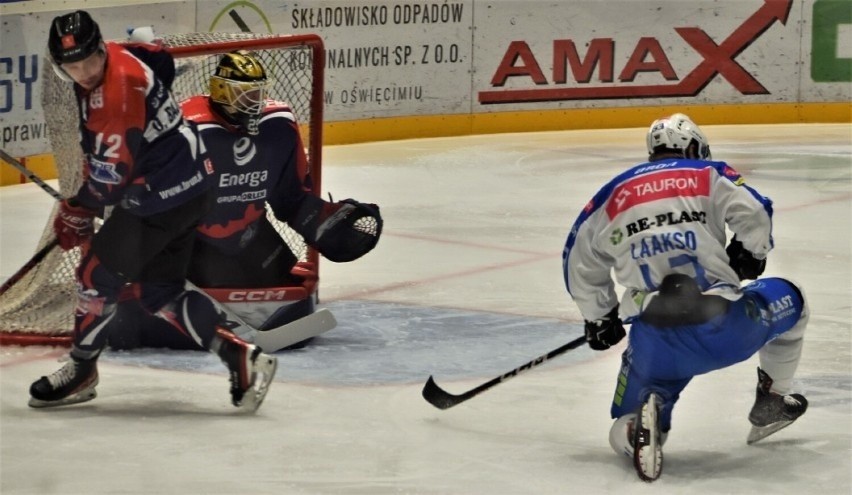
(277, 338)
(35, 260)
(304, 328)
(442, 399)
(43, 252)
(30, 175)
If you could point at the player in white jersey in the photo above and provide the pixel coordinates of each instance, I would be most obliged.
(660, 227)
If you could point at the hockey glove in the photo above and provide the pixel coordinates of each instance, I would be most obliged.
(743, 261)
(605, 332)
(74, 224)
(342, 231)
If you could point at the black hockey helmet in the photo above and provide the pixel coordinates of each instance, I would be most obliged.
(73, 37)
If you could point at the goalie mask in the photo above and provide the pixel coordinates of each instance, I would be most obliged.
(678, 134)
(238, 89)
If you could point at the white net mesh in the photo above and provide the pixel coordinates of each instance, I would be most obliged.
(42, 302)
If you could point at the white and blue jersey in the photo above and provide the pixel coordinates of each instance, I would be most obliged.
(657, 218)
(664, 217)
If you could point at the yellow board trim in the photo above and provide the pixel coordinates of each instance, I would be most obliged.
(427, 126)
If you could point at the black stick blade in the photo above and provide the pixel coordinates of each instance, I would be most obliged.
(437, 396)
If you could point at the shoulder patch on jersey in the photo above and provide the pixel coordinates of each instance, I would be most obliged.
(197, 109)
(275, 106)
(729, 173)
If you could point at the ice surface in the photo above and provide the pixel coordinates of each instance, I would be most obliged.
(465, 285)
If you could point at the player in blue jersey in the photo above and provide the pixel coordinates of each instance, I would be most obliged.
(260, 160)
(660, 227)
(143, 159)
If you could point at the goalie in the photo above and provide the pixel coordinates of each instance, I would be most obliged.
(259, 159)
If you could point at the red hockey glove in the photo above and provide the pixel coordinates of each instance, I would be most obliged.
(74, 224)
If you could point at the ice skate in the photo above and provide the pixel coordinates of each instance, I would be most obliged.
(71, 384)
(771, 411)
(647, 440)
(251, 371)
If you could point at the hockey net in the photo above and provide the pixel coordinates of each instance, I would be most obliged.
(39, 308)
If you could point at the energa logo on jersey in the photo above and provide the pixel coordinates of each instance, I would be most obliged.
(244, 151)
(252, 179)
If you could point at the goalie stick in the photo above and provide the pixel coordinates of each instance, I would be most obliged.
(271, 340)
(277, 338)
(442, 399)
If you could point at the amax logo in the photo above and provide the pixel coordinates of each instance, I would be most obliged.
(647, 56)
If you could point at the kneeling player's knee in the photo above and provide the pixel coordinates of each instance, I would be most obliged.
(798, 330)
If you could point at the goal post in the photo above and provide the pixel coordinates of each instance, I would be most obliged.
(39, 308)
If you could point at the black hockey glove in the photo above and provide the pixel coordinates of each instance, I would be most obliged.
(746, 266)
(606, 332)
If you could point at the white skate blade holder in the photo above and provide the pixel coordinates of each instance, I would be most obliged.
(758, 433)
(264, 368)
(648, 449)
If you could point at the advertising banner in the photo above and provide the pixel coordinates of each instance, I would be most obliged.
(383, 58)
(466, 57)
(627, 53)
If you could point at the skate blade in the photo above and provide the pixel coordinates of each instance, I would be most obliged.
(84, 396)
(758, 433)
(264, 374)
(648, 457)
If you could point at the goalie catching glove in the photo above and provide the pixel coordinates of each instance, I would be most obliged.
(341, 231)
(74, 224)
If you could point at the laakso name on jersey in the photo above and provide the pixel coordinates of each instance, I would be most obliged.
(663, 243)
(670, 218)
(246, 197)
(252, 179)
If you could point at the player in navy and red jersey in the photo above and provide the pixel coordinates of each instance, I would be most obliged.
(142, 158)
(660, 227)
(260, 160)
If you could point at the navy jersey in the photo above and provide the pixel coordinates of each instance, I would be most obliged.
(251, 170)
(139, 151)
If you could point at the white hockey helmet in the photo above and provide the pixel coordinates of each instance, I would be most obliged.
(680, 134)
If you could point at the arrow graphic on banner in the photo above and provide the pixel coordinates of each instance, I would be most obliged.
(717, 59)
